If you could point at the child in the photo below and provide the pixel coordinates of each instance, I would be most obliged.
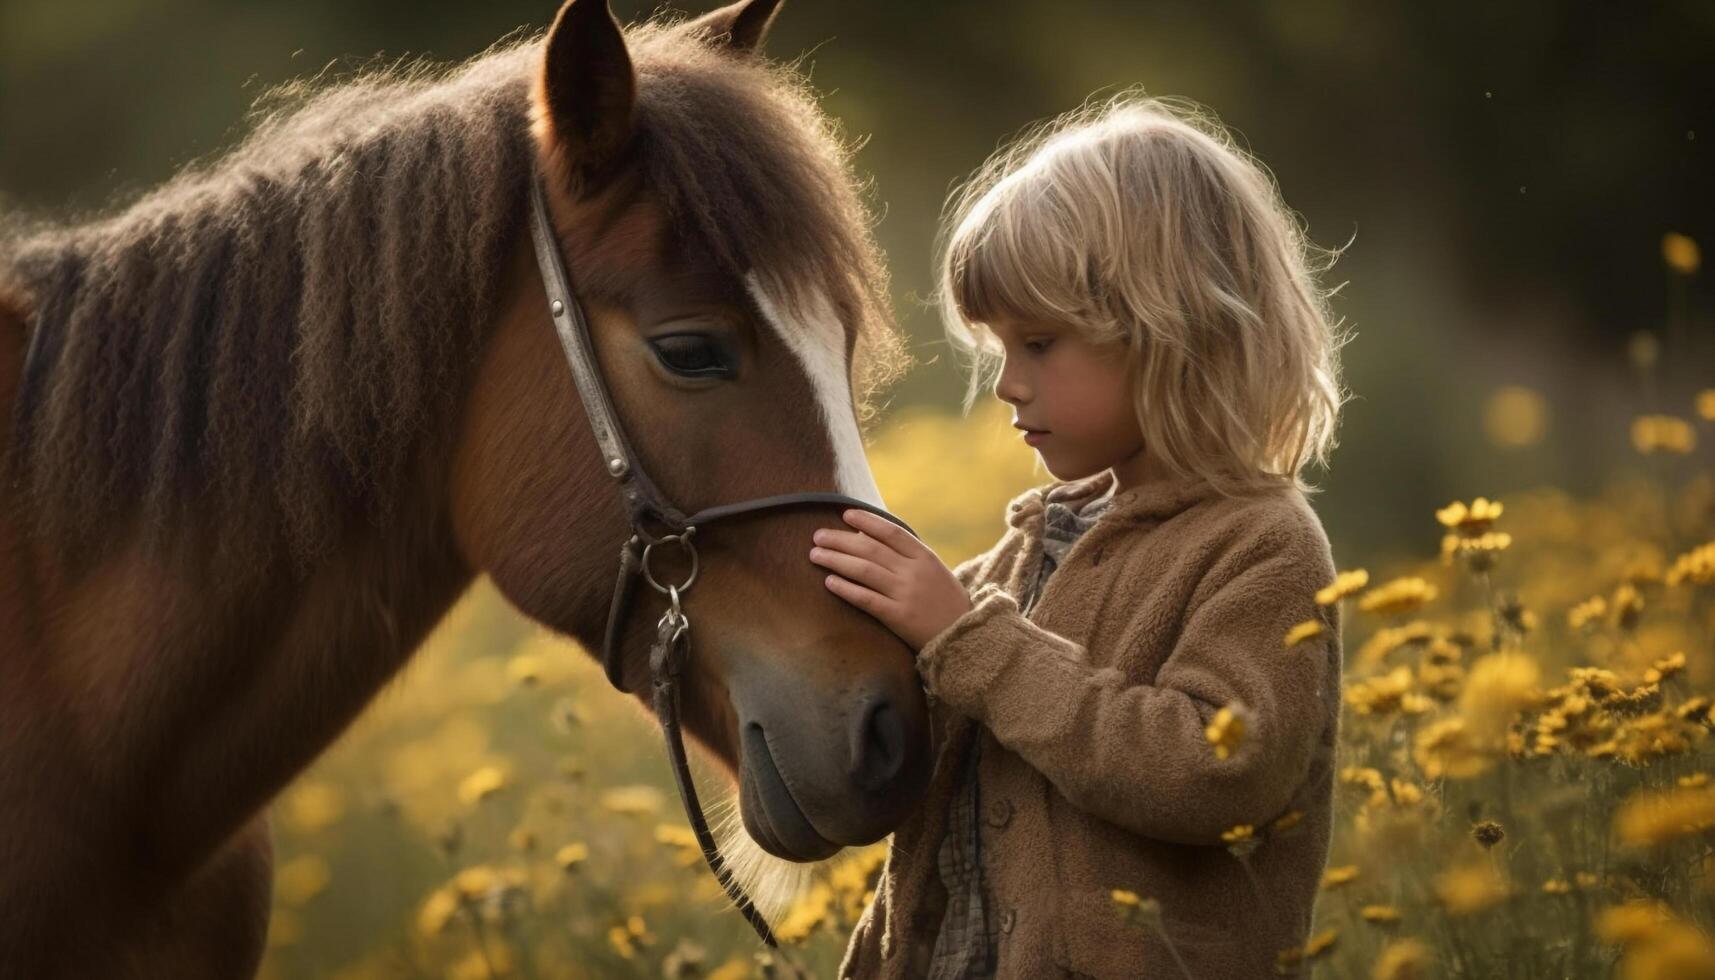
(1134, 768)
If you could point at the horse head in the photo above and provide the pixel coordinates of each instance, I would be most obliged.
(723, 260)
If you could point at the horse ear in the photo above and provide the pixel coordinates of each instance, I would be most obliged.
(739, 26)
(588, 87)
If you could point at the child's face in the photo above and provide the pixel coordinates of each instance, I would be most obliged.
(1080, 394)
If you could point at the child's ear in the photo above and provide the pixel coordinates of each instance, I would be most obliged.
(739, 27)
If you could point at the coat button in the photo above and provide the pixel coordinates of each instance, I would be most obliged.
(1006, 920)
(1000, 812)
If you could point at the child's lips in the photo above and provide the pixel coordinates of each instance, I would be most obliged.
(1036, 438)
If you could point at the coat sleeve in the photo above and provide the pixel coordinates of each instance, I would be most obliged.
(1136, 754)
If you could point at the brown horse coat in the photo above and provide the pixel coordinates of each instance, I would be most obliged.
(1096, 773)
(267, 422)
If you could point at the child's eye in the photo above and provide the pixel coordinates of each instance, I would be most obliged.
(1038, 346)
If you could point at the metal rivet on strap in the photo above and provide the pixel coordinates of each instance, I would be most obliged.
(616, 466)
(557, 307)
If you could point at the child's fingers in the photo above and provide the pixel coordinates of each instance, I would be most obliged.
(885, 531)
(868, 600)
(857, 569)
(857, 544)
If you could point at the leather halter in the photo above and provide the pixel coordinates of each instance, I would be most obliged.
(645, 502)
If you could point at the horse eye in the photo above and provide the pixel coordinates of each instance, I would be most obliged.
(691, 355)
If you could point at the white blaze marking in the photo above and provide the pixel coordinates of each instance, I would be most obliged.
(819, 343)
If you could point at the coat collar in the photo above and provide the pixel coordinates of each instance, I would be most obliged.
(1154, 501)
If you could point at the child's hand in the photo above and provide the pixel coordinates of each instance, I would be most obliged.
(891, 575)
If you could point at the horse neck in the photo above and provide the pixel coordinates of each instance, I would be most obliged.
(178, 700)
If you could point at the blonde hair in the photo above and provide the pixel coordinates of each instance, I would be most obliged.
(1139, 221)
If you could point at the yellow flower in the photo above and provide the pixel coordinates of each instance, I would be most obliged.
(1442, 678)
(1478, 552)
(1225, 732)
(676, 835)
(1380, 695)
(1664, 668)
(1635, 921)
(1446, 749)
(1628, 605)
(1406, 959)
(1388, 639)
(1588, 612)
(1694, 710)
(1706, 404)
(1649, 817)
(1663, 433)
(1402, 595)
(1472, 520)
(482, 784)
(1515, 416)
(805, 915)
(1320, 943)
(1241, 840)
(1469, 888)
(476, 881)
(1405, 794)
(620, 939)
(284, 929)
(437, 911)
(1363, 776)
(1134, 908)
(1286, 821)
(632, 800)
(301, 879)
(1303, 631)
(1381, 915)
(1679, 951)
(1696, 566)
(1556, 886)
(1497, 687)
(1344, 584)
(736, 968)
(1597, 682)
(313, 805)
(1342, 875)
(495, 959)
(1680, 253)
(571, 855)
(525, 669)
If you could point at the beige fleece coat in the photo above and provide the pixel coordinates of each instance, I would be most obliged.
(1096, 773)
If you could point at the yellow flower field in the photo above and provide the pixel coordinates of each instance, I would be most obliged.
(1524, 772)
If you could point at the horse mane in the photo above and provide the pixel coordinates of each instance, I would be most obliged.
(274, 343)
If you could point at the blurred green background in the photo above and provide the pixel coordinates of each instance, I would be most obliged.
(1503, 172)
(1502, 176)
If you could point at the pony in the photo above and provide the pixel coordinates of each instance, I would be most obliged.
(272, 418)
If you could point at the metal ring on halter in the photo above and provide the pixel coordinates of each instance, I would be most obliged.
(684, 541)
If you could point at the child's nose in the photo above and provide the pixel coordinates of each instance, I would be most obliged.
(1011, 391)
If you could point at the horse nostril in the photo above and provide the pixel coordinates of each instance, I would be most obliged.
(878, 745)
